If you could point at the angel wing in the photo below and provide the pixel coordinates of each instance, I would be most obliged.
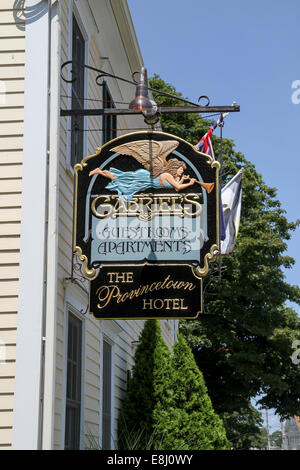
(151, 154)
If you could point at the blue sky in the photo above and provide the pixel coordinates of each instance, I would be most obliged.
(246, 52)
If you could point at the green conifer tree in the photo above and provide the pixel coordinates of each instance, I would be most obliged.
(187, 421)
(150, 379)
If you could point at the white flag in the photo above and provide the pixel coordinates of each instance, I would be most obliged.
(232, 203)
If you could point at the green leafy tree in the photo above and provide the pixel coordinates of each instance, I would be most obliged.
(243, 345)
(244, 429)
(187, 421)
(150, 380)
(276, 439)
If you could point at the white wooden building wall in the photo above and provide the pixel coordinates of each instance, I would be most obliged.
(12, 58)
(106, 37)
(125, 332)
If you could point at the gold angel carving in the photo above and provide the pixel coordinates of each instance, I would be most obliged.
(158, 172)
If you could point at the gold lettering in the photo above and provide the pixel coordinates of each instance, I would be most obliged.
(105, 294)
(120, 208)
(191, 199)
(123, 297)
(155, 304)
(155, 206)
(177, 209)
(104, 207)
(182, 306)
(189, 286)
(164, 200)
(146, 206)
(168, 304)
(147, 304)
(165, 281)
(132, 294)
(120, 277)
(130, 277)
(133, 207)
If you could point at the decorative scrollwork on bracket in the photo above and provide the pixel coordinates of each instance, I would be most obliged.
(102, 73)
(204, 97)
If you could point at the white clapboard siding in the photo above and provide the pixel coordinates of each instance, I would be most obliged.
(10, 354)
(7, 386)
(12, 86)
(14, 44)
(10, 142)
(8, 320)
(10, 157)
(9, 272)
(11, 72)
(10, 171)
(9, 229)
(13, 100)
(92, 342)
(10, 5)
(11, 128)
(10, 200)
(7, 370)
(9, 215)
(5, 437)
(12, 60)
(12, 31)
(8, 304)
(8, 287)
(11, 114)
(12, 16)
(10, 185)
(11, 257)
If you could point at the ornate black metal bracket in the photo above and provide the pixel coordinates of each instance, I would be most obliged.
(194, 108)
(78, 279)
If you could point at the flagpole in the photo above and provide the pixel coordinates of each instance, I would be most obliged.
(221, 124)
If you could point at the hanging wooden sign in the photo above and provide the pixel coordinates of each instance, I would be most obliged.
(145, 225)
